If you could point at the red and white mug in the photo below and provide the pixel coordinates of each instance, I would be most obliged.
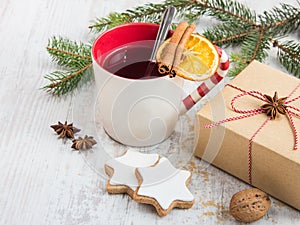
(142, 112)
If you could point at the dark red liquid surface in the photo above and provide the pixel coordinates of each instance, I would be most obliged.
(138, 70)
(132, 61)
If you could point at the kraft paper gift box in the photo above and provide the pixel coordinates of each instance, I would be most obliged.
(274, 163)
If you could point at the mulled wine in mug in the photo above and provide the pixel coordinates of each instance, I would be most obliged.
(138, 108)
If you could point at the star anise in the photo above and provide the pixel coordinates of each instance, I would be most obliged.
(274, 106)
(83, 143)
(65, 130)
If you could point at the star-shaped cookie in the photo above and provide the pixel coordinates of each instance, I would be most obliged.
(121, 171)
(164, 187)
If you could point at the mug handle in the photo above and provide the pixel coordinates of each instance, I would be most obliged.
(208, 84)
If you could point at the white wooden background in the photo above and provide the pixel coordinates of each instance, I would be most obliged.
(41, 180)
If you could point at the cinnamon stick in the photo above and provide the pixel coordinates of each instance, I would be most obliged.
(179, 50)
(170, 49)
(174, 49)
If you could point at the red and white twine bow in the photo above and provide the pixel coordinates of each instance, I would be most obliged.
(290, 112)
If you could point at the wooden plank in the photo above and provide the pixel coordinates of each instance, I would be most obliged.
(41, 180)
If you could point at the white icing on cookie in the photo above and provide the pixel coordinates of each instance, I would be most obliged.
(165, 183)
(124, 167)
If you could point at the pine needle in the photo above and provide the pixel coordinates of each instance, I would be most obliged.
(280, 20)
(229, 33)
(289, 56)
(75, 58)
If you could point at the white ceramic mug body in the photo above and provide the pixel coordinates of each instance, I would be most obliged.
(137, 112)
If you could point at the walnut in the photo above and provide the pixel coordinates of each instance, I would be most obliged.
(249, 205)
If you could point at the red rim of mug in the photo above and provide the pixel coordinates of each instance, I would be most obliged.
(107, 41)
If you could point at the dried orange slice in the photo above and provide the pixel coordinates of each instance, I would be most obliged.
(199, 60)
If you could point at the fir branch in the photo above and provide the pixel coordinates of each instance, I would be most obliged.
(230, 11)
(289, 55)
(254, 47)
(69, 54)
(64, 82)
(280, 21)
(239, 25)
(189, 9)
(226, 34)
(148, 12)
(75, 57)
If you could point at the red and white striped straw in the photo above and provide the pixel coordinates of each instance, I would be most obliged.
(208, 84)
